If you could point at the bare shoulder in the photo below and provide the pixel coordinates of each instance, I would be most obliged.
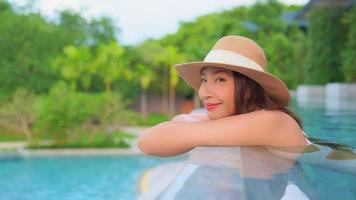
(278, 117)
(273, 118)
(269, 120)
(286, 126)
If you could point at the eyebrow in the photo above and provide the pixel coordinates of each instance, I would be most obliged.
(215, 72)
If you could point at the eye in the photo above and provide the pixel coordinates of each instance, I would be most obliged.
(202, 80)
(219, 79)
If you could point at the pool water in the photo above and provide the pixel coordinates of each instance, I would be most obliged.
(74, 177)
(325, 170)
(334, 125)
(247, 173)
(117, 177)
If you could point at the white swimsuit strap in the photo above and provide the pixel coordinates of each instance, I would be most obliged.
(304, 134)
(306, 138)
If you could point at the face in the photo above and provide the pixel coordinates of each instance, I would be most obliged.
(217, 92)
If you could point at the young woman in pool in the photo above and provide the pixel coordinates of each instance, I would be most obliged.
(246, 106)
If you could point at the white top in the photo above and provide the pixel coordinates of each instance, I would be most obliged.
(306, 138)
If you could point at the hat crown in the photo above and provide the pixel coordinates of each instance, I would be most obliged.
(243, 55)
(243, 46)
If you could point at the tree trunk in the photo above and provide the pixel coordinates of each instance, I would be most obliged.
(92, 135)
(22, 127)
(25, 127)
(164, 104)
(107, 87)
(143, 105)
(172, 102)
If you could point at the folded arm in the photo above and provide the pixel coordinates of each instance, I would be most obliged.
(255, 128)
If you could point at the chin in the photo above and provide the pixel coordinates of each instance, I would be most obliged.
(212, 116)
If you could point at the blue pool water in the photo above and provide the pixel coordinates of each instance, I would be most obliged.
(116, 177)
(247, 173)
(75, 177)
(335, 125)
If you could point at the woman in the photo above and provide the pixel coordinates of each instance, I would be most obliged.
(246, 106)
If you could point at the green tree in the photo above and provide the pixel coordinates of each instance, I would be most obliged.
(279, 52)
(146, 76)
(326, 39)
(108, 64)
(27, 44)
(102, 30)
(59, 112)
(150, 54)
(167, 59)
(298, 57)
(75, 29)
(19, 113)
(65, 113)
(75, 65)
(349, 53)
(268, 16)
(72, 28)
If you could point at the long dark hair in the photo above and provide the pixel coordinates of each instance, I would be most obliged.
(250, 96)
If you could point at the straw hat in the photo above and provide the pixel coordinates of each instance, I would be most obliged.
(242, 55)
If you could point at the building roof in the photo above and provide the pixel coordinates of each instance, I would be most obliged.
(303, 14)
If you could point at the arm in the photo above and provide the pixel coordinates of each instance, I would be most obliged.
(161, 133)
(167, 139)
(255, 128)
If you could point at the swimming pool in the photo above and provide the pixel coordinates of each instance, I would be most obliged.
(324, 170)
(247, 173)
(73, 177)
(335, 125)
(117, 177)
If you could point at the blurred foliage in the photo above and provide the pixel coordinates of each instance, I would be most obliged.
(18, 115)
(28, 43)
(326, 40)
(77, 78)
(64, 112)
(349, 54)
(151, 120)
(154, 119)
(7, 135)
(86, 53)
(117, 139)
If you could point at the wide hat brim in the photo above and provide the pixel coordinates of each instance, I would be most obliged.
(274, 87)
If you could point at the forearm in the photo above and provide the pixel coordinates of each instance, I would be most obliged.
(176, 137)
(173, 138)
(167, 139)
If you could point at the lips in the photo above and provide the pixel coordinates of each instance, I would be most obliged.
(210, 106)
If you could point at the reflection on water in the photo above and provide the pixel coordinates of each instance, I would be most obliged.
(331, 169)
(323, 170)
(265, 173)
(236, 173)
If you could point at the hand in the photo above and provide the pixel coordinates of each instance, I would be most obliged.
(190, 118)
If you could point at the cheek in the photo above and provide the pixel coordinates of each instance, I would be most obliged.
(231, 102)
(230, 96)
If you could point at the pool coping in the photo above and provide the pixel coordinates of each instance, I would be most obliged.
(68, 152)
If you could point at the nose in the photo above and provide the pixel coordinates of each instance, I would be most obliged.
(205, 91)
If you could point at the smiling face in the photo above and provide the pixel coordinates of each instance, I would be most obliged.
(217, 92)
